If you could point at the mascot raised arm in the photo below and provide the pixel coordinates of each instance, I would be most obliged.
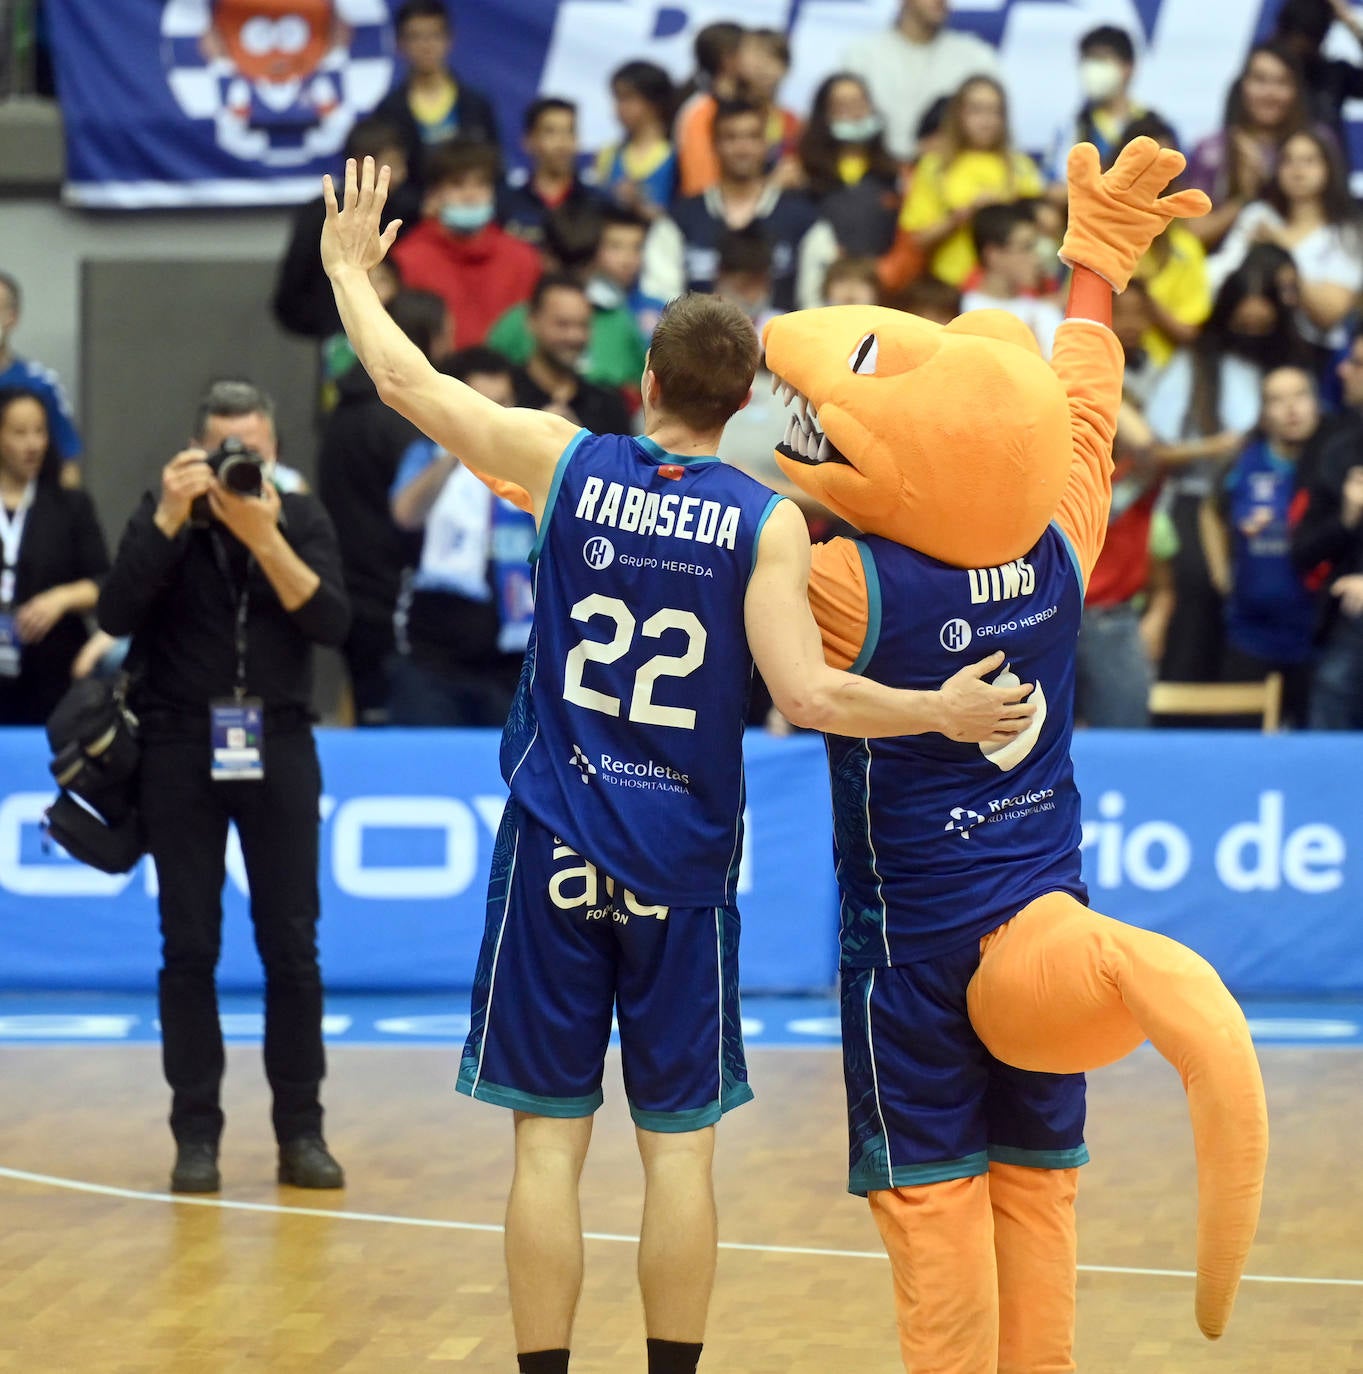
(977, 985)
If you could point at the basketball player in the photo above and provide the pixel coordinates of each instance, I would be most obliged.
(660, 576)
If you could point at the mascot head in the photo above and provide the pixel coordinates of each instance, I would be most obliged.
(274, 41)
(953, 440)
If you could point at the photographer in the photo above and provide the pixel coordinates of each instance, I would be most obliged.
(224, 593)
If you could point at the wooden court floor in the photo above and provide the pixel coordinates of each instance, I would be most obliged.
(126, 1282)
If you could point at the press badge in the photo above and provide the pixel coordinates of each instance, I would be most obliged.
(238, 740)
(9, 646)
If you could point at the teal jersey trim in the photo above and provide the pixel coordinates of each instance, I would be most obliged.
(1039, 1159)
(660, 455)
(697, 1119)
(1074, 556)
(531, 1103)
(867, 1178)
(868, 646)
(551, 500)
(761, 525)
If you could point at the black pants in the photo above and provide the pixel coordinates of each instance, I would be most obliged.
(186, 815)
(367, 651)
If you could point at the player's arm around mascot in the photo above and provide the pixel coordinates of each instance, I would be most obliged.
(958, 450)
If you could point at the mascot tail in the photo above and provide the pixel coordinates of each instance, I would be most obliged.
(1061, 989)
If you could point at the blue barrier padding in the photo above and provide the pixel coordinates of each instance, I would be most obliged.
(1243, 846)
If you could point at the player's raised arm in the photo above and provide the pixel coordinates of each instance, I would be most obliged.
(517, 446)
(787, 649)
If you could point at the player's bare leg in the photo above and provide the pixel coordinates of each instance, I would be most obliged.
(544, 1229)
(680, 1234)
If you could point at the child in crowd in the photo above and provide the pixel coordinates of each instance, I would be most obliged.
(975, 166)
(640, 171)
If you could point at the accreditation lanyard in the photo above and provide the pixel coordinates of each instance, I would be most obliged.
(242, 598)
(11, 535)
(237, 727)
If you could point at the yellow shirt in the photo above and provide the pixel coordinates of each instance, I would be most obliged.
(432, 111)
(852, 167)
(938, 190)
(1180, 286)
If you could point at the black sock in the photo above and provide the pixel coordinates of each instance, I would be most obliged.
(672, 1357)
(543, 1362)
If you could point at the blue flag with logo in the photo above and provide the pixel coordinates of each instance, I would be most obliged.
(248, 102)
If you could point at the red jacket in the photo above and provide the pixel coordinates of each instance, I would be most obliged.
(480, 276)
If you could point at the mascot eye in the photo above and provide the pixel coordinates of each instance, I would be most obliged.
(292, 34)
(863, 360)
(258, 36)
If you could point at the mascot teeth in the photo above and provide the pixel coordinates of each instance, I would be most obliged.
(804, 439)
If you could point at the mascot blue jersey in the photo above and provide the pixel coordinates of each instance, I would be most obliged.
(938, 843)
(626, 736)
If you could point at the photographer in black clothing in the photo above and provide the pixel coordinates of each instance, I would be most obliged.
(224, 613)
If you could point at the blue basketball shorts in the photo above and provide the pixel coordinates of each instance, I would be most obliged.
(564, 949)
(926, 1101)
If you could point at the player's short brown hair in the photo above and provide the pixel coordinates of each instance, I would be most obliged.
(704, 355)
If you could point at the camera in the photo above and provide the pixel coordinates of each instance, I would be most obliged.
(238, 468)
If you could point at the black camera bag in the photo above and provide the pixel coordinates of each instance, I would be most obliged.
(95, 761)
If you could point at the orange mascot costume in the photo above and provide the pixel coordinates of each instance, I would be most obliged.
(977, 985)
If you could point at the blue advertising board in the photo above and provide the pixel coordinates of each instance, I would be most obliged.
(1245, 847)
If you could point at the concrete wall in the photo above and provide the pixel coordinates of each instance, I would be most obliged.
(195, 291)
(137, 313)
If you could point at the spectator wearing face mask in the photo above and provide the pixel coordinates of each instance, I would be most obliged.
(911, 65)
(847, 170)
(1107, 66)
(458, 251)
(1270, 612)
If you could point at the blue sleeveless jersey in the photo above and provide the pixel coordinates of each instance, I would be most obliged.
(626, 736)
(938, 843)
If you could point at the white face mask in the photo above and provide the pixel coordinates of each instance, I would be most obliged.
(1100, 78)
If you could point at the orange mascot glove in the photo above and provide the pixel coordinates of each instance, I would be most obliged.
(1115, 216)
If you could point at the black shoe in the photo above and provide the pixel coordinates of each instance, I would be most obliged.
(307, 1163)
(196, 1168)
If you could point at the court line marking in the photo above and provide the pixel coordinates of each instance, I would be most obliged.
(441, 1224)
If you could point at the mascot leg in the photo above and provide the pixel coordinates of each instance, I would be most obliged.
(1061, 989)
(940, 1239)
(1036, 1249)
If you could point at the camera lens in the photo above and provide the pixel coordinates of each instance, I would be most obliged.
(242, 474)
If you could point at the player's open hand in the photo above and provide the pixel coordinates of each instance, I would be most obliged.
(352, 236)
(977, 712)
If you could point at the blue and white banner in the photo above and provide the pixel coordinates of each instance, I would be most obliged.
(248, 102)
(1249, 849)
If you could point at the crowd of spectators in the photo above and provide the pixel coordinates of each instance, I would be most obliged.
(1235, 546)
